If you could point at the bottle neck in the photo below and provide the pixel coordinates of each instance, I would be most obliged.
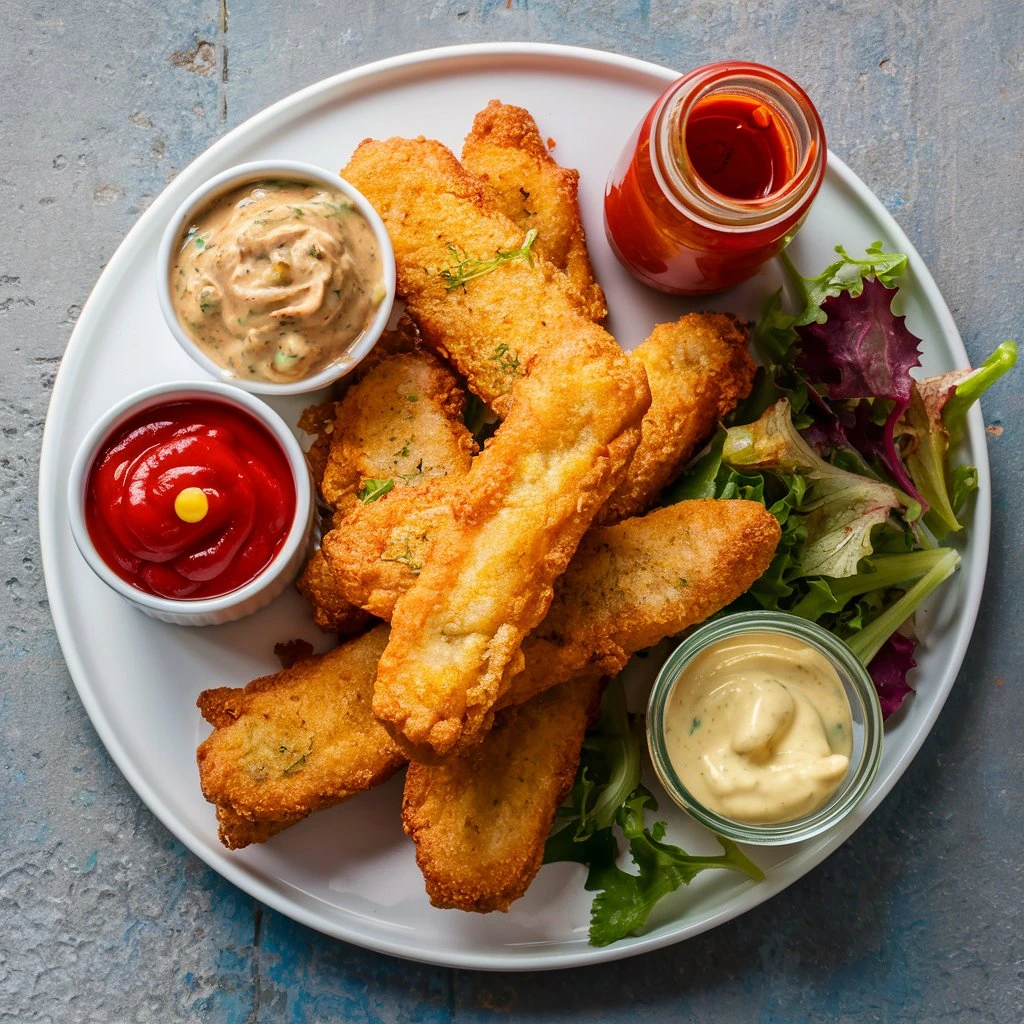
(796, 123)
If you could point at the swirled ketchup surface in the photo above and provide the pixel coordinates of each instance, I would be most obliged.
(190, 499)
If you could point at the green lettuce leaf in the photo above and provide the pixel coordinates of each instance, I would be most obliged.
(879, 573)
(607, 795)
(868, 641)
(839, 509)
(938, 407)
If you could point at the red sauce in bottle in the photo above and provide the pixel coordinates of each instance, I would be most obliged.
(721, 171)
(208, 461)
(738, 147)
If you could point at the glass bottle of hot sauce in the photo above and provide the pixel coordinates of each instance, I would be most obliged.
(722, 169)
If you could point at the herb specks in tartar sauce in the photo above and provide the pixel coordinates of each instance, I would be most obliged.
(275, 280)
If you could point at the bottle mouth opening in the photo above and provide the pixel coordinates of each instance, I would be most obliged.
(797, 127)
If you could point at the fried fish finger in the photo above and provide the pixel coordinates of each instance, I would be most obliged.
(629, 586)
(402, 422)
(698, 369)
(621, 593)
(505, 149)
(398, 427)
(299, 740)
(480, 845)
(332, 611)
(574, 407)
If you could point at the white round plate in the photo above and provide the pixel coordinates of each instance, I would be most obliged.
(350, 872)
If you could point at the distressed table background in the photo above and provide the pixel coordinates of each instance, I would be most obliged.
(104, 917)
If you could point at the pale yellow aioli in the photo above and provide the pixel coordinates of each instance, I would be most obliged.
(276, 279)
(758, 728)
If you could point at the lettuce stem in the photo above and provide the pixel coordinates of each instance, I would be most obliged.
(867, 643)
(620, 743)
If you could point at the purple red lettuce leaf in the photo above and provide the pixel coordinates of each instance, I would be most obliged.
(888, 670)
(864, 351)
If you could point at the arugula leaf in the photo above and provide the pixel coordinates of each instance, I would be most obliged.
(373, 488)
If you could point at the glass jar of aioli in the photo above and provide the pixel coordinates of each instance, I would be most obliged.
(715, 179)
(729, 636)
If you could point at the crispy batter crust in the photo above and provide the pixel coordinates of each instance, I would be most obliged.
(299, 740)
(377, 554)
(573, 422)
(479, 821)
(633, 584)
(698, 368)
(505, 149)
(621, 593)
(429, 201)
(401, 421)
(332, 611)
(377, 551)
(236, 832)
(481, 818)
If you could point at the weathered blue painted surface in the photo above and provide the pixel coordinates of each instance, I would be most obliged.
(106, 918)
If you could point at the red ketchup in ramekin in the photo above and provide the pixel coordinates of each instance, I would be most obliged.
(188, 500)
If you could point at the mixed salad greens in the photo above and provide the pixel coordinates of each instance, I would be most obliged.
(852, 455)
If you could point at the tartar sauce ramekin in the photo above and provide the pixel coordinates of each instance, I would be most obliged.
(250, 597)
(864, 705)
(233, 178)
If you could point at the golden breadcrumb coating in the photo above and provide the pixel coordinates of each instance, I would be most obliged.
(480, 818)
(622, 592)
(479, 821)
(698, 369)
(505, 149)
(573, 403)
(400, 423)
(299, 740)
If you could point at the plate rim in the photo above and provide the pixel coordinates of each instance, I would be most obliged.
(277, 898)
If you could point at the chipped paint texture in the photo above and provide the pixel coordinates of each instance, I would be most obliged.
(105, 918)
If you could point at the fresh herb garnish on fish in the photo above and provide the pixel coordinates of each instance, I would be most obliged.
(463, 268)
(373, 488)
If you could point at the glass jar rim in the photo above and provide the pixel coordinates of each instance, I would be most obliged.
(694, 197)
(850, 669)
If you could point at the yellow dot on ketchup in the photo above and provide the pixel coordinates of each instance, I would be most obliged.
(191, 505)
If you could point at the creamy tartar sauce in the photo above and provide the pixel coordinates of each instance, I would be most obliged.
(276, 279)
(759, 729)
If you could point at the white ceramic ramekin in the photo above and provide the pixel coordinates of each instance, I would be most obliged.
(244, 174)
(255, 594)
